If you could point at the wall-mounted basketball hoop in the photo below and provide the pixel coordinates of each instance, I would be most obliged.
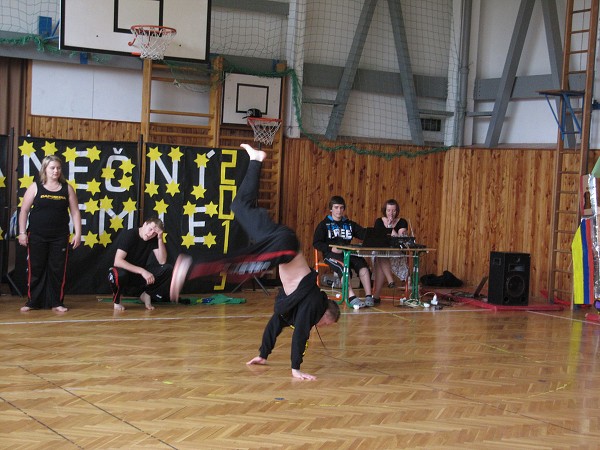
(151, 40)
(264, 129)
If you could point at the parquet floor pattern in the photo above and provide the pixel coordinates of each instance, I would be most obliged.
(388, 377)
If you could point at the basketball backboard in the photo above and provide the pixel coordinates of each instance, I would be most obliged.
(242, 92)
(104, 25)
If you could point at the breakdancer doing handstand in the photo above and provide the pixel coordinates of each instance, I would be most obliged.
(300, 304)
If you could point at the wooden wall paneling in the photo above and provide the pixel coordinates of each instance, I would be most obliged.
(526, 203)
(447, 216)
(305, 205)
(468, 239)
(510, 193)
(454, 206)
(539, 234)
(82, 129)
(457, 241)
(485, 200)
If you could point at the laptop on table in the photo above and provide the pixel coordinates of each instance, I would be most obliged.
(375, 237)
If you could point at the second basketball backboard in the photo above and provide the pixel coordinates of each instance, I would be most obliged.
(104, 25)
(242, 92)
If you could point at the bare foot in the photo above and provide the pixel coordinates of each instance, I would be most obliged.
(25, 308)
(147, 301)
(254, 154)
(118, 307)
(302, 376)
(60, 309)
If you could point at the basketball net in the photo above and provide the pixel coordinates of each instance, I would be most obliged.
(152, 40)
(264, 129)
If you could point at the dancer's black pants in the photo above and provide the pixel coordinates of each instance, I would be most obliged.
(272, 243)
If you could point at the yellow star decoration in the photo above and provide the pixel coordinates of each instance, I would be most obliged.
(212, 209)
(2, 181)
(189, 208)
(104, 239)
(127, 166)
(175, 154)
(106, 203)
(93, 186)
(1, 234)
(154, 154)
(73, 184)
(49, 148)
(70, 154)
(91, 239)
(210, 240)
(151, 189)
(116, 223)
(161, 207)
(108, 173)
(91, 206)
(201, 160)
(187, 241)
(93, 154)
(126, 182)
(172, 188)
(27, 148)
(198, 192)
(25, 181)
(164, 237)
(129, 205)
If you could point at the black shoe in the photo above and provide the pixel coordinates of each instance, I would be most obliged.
(376, 300)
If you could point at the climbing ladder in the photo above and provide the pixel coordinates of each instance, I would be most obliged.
(573, 115)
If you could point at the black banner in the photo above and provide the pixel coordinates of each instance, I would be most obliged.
(189, 188)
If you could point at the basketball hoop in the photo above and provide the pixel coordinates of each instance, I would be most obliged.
(152, 40)
(264, 128)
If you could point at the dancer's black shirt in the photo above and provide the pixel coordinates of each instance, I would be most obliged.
(301, 310)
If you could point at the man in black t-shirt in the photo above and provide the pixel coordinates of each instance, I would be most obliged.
(132, 273)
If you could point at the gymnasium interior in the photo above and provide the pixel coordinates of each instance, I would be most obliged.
(479, 117)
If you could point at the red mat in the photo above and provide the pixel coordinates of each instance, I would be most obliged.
(592, 317)
(494, 307)
(558, 300)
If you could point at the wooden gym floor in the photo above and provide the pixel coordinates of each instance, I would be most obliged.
(388, 377)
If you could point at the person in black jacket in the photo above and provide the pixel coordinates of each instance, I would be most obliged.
(336, 228)
(300, 303)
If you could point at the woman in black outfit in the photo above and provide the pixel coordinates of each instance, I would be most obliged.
(385, 267)
(44, 230)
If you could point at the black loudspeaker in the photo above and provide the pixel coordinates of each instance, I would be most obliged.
(509, 278)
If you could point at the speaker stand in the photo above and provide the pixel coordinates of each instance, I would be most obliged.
(14, 286)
